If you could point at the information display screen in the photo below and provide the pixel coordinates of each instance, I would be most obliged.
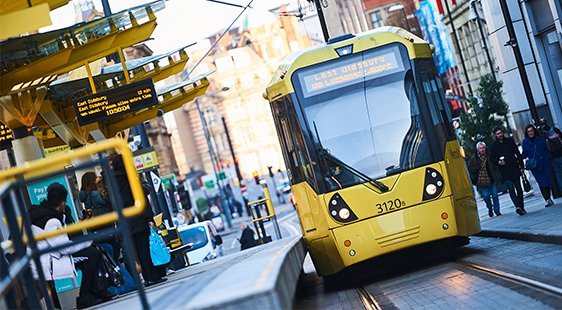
(350, 70)
(5, 134)
(116, 102)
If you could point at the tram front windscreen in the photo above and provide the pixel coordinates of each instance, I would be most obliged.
(363, 110)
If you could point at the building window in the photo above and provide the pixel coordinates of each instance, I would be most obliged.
(376, 19)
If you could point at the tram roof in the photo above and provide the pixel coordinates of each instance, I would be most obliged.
(279, 85)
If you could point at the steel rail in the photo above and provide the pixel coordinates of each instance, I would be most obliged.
(368, 300)
(506, 275)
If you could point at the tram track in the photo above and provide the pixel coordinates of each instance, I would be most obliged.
(515, 278)
(367, 299)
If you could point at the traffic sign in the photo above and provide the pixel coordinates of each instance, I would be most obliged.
(156, 181)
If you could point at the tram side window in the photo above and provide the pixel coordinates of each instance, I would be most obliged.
(289, 146)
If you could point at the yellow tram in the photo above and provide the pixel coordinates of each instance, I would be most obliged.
(373, 161)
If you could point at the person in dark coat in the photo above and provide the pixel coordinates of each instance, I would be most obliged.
(139, 226)
(485, 176)
(247, 238)
(553, 138)
(505, 155)
(535, 147)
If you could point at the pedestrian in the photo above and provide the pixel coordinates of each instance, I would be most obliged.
(94, 205)
(487, 176)
(139, 226)
(536, 151)
(553, 137)
(60, 264)
(90, 196)
(506, 156)
(247, 238)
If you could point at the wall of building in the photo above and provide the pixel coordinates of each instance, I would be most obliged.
(538, 31)
(377, 14)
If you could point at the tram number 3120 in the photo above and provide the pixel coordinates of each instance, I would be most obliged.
(390, 205)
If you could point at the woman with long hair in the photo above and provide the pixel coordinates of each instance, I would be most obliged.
(536, 151)
(91, 197)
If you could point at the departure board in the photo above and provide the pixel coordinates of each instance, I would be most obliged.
(116, 102)
(348, 71)
(5, 134)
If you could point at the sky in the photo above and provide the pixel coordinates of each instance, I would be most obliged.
(182, 22)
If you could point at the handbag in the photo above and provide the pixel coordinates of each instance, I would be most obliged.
(110, 270)
(531, 163)
(159, 252)
(526, 184)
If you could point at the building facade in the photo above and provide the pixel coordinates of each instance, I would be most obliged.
(242, 64)
(472, 35)
(392, 13)
(539, 36)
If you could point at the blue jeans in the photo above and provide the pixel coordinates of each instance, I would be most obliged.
(515, 192)
(492, 191)
(557, 163)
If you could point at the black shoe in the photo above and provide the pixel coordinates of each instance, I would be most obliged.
(490, 213)
(498, 213)
(87, 300)
(519, 211)
(104, 295)
(150, 283)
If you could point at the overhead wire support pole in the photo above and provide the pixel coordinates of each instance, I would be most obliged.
(519, 60)
(227, 213)
(322, 20)
(457, 43)
(222, 35)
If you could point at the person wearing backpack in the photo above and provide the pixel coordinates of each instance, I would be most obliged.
(553, 138)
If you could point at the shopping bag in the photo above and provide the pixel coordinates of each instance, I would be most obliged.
(526, 184)
(159, 252)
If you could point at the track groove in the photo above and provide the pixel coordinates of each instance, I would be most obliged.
(368, 300)
(519, 279)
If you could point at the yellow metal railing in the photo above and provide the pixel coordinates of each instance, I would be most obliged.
(270, 215)
(53, 164)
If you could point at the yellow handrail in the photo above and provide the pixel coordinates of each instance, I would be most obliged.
(50, 164)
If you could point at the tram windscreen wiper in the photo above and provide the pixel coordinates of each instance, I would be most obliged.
(326, 154)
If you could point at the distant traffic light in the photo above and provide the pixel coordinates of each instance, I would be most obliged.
(270, 171)
(256, 177)
(184, 198)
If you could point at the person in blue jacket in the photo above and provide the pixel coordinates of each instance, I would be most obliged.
(535, 147)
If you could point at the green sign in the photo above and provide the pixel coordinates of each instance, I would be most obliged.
(168, 180)
(210, 184)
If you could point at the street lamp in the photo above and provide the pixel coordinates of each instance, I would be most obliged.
(212, 155)
(400, 7)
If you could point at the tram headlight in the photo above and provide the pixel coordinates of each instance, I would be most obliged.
(433, 184)
(339, 210)
(344, 213)
(431, 189)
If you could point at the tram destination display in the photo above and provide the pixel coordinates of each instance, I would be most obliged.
(5, 134)
(116, 102)
(348, 71)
